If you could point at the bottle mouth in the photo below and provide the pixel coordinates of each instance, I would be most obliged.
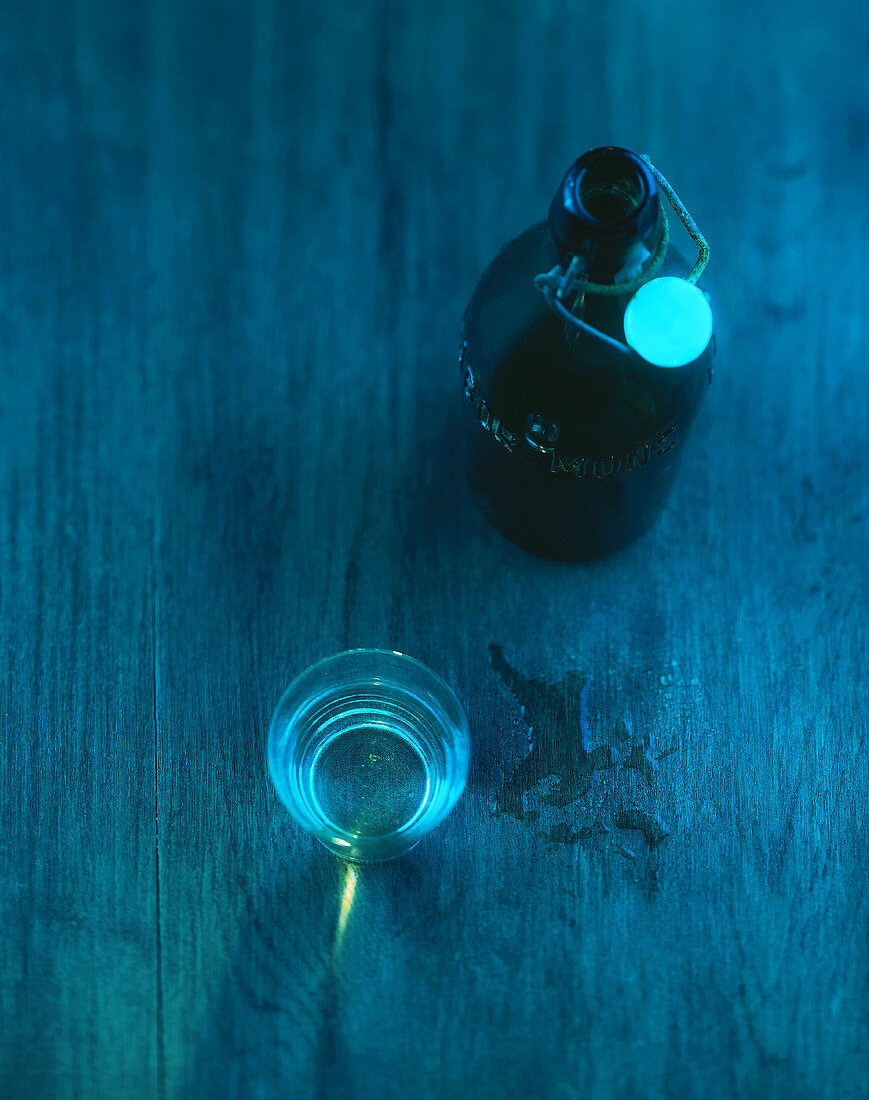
(607, 200)
(611, 188)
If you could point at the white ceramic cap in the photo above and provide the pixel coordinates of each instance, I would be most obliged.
(668, 322)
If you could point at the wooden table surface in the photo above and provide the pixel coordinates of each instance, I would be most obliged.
(236, 241)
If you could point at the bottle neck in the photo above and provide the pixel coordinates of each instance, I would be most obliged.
(608, 213)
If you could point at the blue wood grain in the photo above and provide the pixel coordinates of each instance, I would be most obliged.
(235, 246)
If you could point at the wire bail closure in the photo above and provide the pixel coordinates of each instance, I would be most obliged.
(557, 284)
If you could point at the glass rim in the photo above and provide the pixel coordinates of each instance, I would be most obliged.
(360, 651)
(283, 725)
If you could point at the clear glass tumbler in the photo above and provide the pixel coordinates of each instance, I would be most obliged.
(369, 751)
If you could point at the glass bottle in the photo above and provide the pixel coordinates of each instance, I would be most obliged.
(585, 357)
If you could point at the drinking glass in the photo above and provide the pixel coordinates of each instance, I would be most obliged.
(369, 751)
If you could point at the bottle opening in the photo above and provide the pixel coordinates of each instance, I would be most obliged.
(611, 189)
(607, 211)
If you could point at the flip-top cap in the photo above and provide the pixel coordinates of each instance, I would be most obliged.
(668, 322)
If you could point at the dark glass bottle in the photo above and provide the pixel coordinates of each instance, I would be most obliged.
(574, 438)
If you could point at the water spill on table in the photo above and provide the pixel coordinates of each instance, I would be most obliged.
(572, 768)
